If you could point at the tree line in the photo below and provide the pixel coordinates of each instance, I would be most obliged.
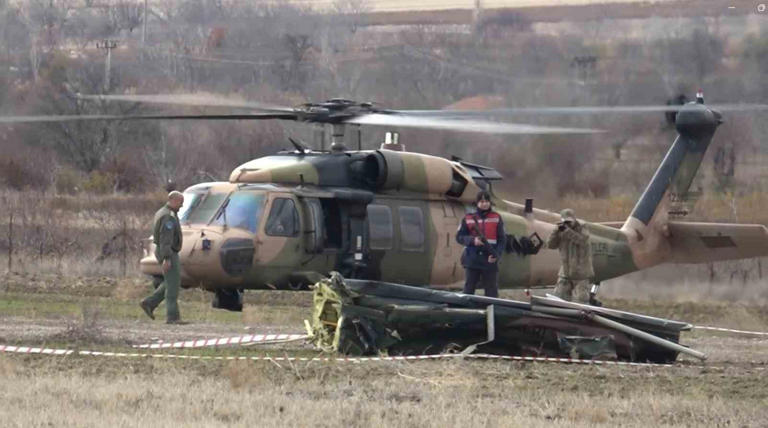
(52, 50)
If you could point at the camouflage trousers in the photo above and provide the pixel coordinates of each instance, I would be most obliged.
(576, 290)
(168, 290)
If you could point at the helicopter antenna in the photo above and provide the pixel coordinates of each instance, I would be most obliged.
(301, 148)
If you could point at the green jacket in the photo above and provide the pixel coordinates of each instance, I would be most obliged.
(575, 252)
(166, 234)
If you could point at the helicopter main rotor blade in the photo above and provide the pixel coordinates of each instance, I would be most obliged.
(464, 125)
(194, 100)
(96, 117)
(575, 110)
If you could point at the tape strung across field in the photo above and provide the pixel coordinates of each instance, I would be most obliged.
(283, 338)
(66, 352)
(729, 330)
(249, 339)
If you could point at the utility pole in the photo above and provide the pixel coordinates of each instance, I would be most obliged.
(108, 45)
(144, 30)
(477, 13)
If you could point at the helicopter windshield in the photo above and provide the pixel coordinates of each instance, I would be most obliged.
(200, 207)
(191, 200)
(242, 210)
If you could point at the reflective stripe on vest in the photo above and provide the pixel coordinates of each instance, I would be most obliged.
(489, 225)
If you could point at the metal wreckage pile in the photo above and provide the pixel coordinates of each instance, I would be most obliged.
(361, 317)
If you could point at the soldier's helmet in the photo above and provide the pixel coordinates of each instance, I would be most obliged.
(567, 215)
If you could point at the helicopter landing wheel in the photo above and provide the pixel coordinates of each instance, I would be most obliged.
(229, 299)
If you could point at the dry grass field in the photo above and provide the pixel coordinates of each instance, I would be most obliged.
(57, 297)
(101, 314)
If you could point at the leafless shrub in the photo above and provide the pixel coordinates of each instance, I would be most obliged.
(87, 329)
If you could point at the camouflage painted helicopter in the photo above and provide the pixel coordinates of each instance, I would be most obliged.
(284, 221)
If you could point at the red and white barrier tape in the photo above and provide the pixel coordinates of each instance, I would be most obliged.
(30, 350)
(249, 339)
(63, 352)
(729, 330)
(253, 339)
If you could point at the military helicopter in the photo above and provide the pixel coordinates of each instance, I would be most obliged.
(286, 220)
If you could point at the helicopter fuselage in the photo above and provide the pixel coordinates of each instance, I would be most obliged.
(284, 221)
(274, 235)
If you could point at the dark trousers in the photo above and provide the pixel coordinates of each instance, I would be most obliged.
(484, 278)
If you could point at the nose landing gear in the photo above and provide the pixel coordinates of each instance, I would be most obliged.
(229, 299)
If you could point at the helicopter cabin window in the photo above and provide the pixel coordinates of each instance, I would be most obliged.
(242, 211)
(411, 229)
(379, 227)
(202, 208)
(283, 219)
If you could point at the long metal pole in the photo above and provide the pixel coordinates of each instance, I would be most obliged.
(621, 327)
(645, 336)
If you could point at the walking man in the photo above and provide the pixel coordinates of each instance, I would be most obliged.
(482, 235)
(167, 238)
(576, 272)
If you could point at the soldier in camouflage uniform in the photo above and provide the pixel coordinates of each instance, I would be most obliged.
(167, 238)
(572, 240)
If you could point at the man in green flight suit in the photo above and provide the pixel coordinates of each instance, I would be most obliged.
(167, 238)
(576, 272)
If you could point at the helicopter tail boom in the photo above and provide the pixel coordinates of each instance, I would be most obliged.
(648, 227)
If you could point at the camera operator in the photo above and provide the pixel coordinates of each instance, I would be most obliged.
(576, 272)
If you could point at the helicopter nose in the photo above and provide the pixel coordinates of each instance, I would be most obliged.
(237, 255)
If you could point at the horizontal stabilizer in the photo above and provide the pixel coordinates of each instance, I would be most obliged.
(711, 242)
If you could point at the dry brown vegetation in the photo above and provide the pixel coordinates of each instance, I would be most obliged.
(87, 392)
(96, 391)
(289, 55)
(77, 201)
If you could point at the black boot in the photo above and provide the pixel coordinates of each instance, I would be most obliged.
(593, 300)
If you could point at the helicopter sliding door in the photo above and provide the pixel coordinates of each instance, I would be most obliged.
(446, 267)
(399, 239)
(335, 227)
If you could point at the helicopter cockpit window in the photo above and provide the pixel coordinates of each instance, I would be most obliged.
(191, 201)
(283, 218)
(379, 227)
(242, 210)
(202, 207)
(411, 229)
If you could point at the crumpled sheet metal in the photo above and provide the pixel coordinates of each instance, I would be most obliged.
(361, 317)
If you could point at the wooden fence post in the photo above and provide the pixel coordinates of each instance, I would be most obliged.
(124, 252)
(10, 242)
